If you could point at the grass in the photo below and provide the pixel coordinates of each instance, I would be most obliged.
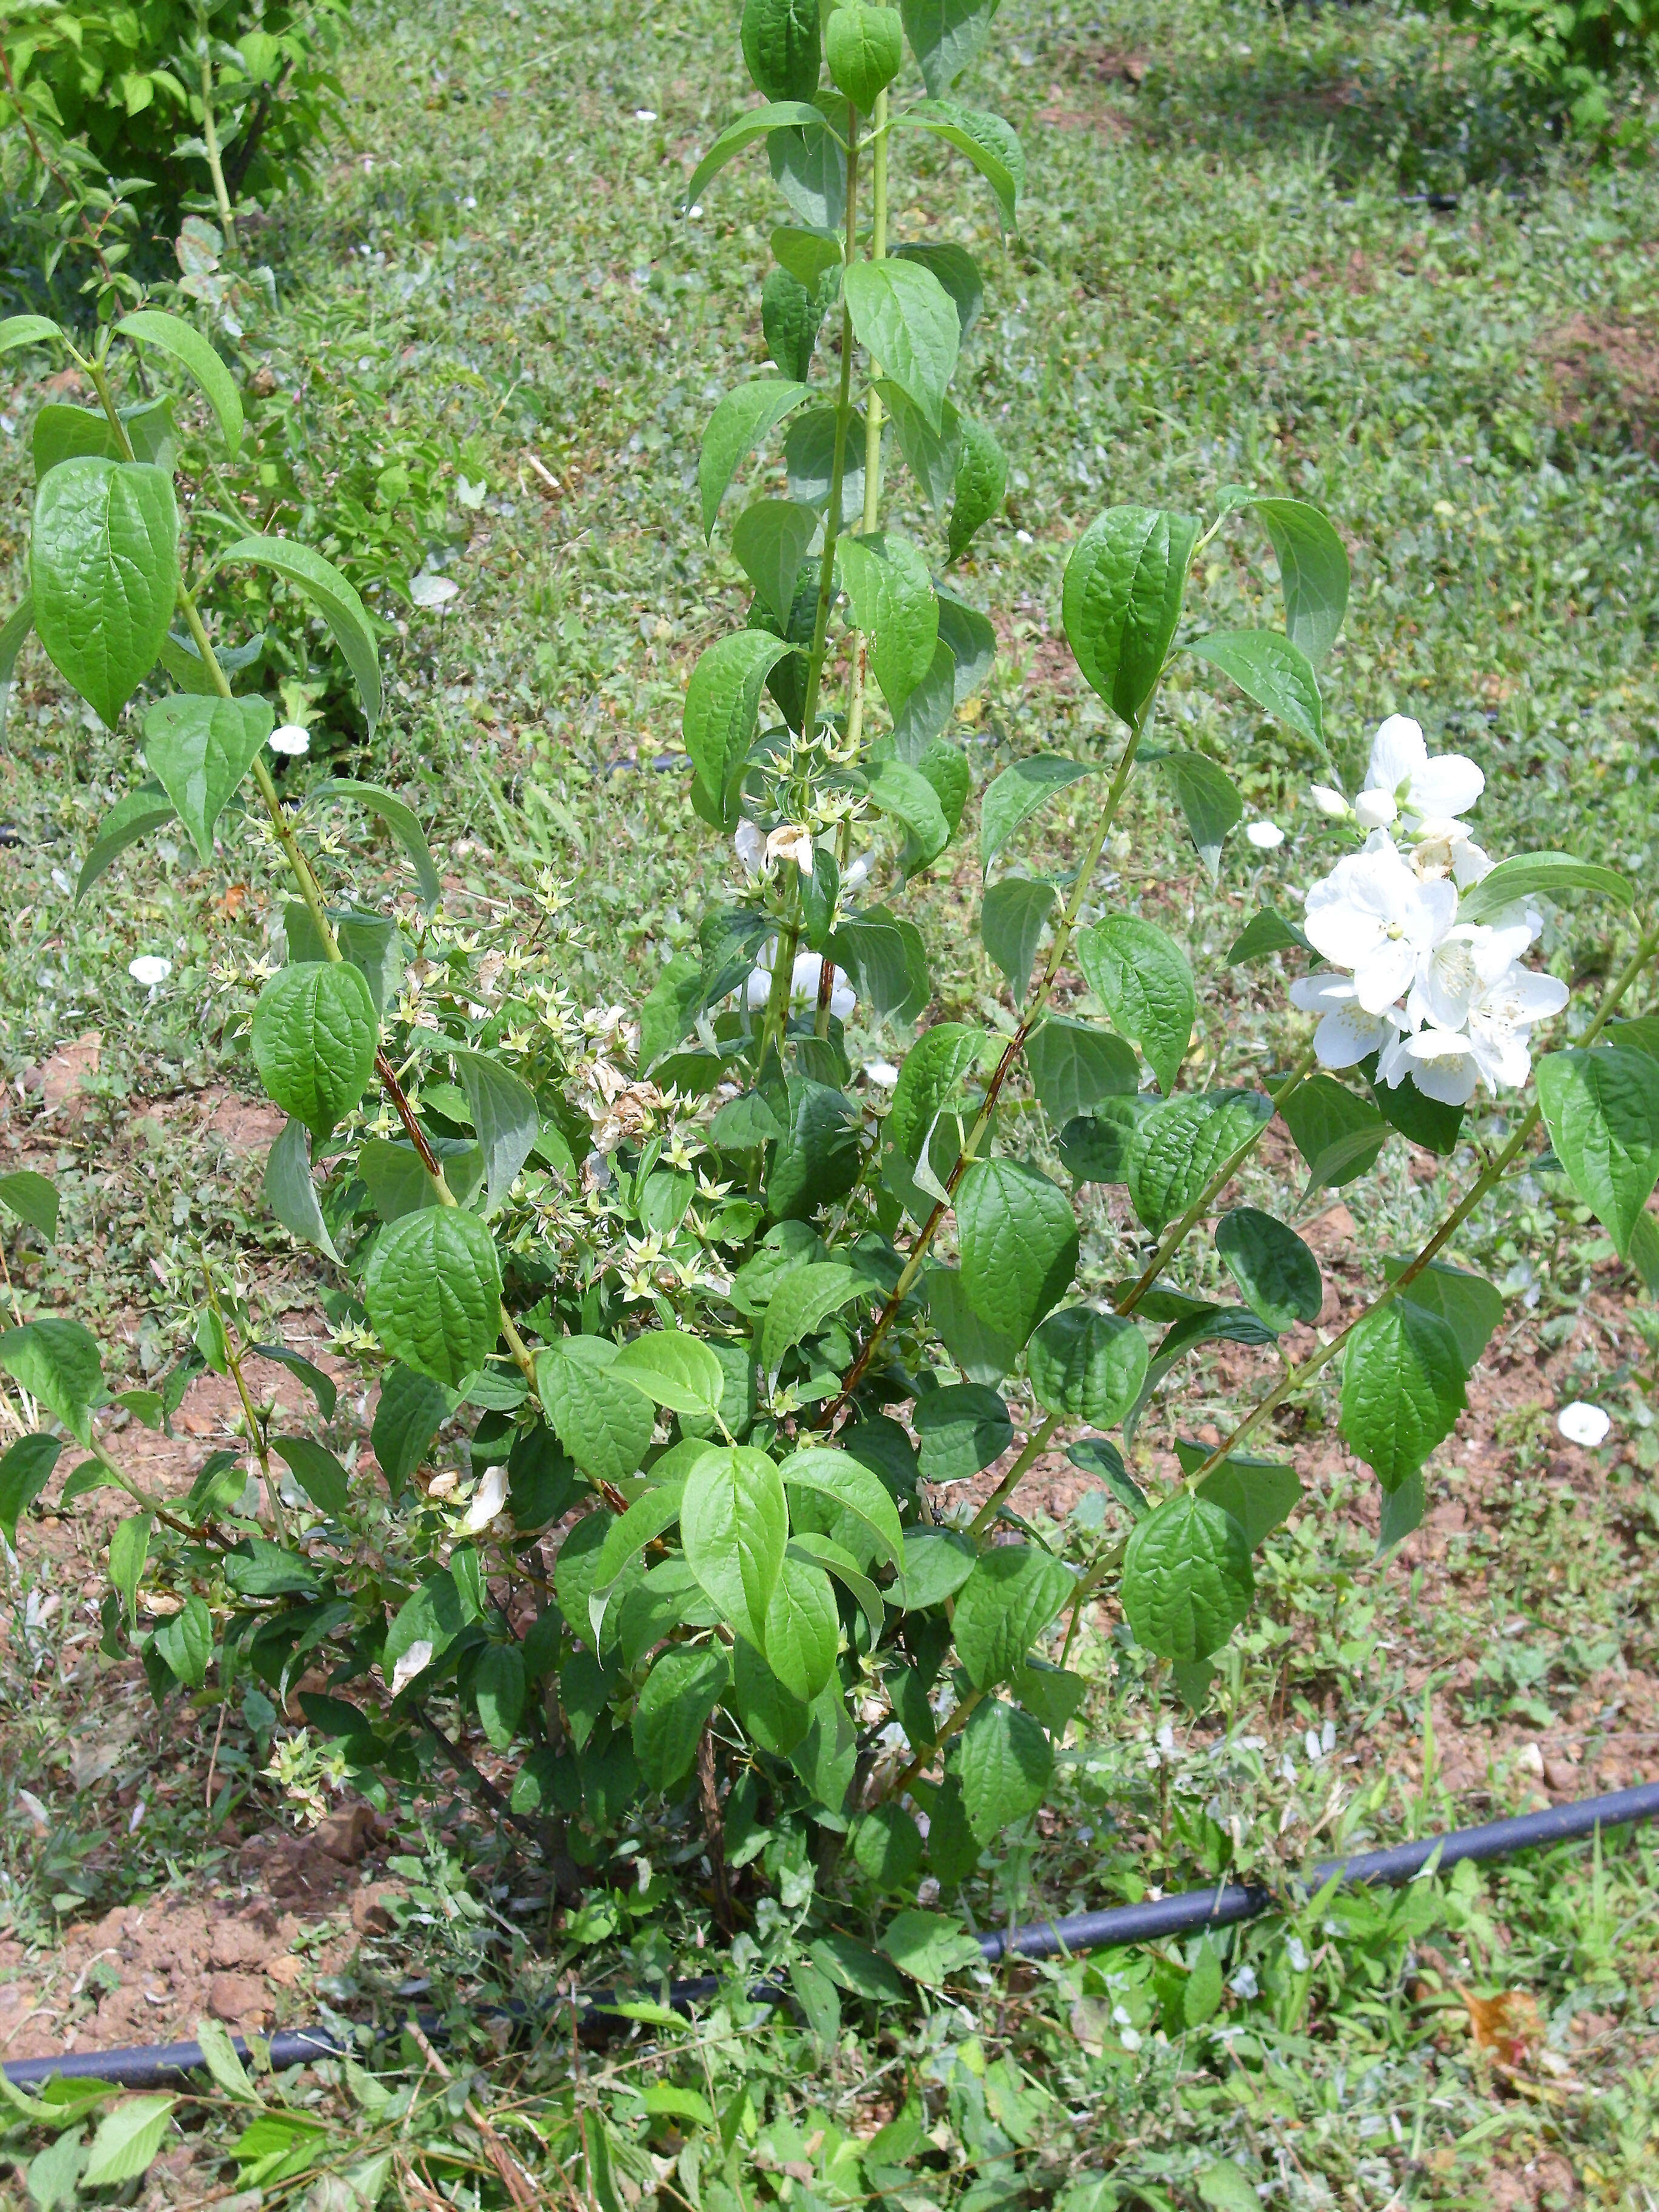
(1318, 251)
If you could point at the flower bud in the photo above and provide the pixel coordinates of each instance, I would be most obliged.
(1375, 810)
(1328, 800)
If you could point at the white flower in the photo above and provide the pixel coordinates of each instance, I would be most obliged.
(1428, 794)
(1583, 1425)
(415, 1661)
(1266, 836)
(1327, 800)
(1297, 1952)
(291, 739)
(149, 969)
(428, 591)
(1372, 916)
(487, 1500)
(790, 841)
(858, 875)
(1465, 963)
(881, 1073)
(645, 115)
(803, 983)
(1244, 1983)
(1347, 1033)
(1375, 810)
(751, 842)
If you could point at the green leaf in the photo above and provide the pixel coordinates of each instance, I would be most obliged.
(981, 482)
(905, 794)
(1403, 1508)
(258, 1568)
(1265, 933)
(673, 1369)
(933, 1069)
(411, 1408)
(736, 426)
(1124, 584)
(105, 556)
(185, 1642)
(863, 47)
(628, 1536)
(991, 145)
(1259, 1493)
(186, 665)
(886, 1848)
(1096, 1457)
(944, 36)
(14, 634)
(1269, 669)
(1074, 1065)
(1403, 1389)
(734, 1527)
(1012, 920)
(807, 255)
(1016, 795)
(960, 1430)
(1017, 1240)
(1207, 799)
(213, 2039)
(1420, 1119)
(434, 1614)
(1187, 1579)
(290, 1193)
(317, 1473)
(1086, 1365)
(334, 598)
(58, 1362)
(958, 272)
(791, 318)
(722, 702)
(399, 817)
(770, 539)
(892, 601)
(127, 821)
(1601, 1108)
(396, 1175)
(1470, 1306)
(576, 1582)
(33, 1198)
(802, 1302)
(982, 1355)
(803, 1628)
(781, 44)
(434, 1292)
(315, 1037)
(1013, 1592)
(1097, 1147)
(129, 1548)
(604, 1420)
(937, 1563)
(905, 318)
(817, 1159)
(930, 1947)
(498, 1692)
(777, 1721)
(128, 2138)
(149, 326)
(681, 1691)
(504, 1115)
(1004, 1766)
(1313, 572)
(1141, 977)
(1337, 1134)
(28, 330)
(1538, 875)
(25, 1472)
(931, 455)
(851, 1487)
(1278, 1276)
(201, 749)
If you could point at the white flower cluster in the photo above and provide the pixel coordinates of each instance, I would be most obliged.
(1444, 1003)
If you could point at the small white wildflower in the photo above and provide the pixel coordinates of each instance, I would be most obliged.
(1266, 836)
(1429, 794)
(149, 969)
(882, 1073)
(1244, 1983)
(645, 115)
(1297, 1952)
(751, 842)
(487, 1500)
(415, 1661)
(1582, 1424)
(292, 740)
(428, 591)
(694, 212)
(1327, 800)
(1023, 537)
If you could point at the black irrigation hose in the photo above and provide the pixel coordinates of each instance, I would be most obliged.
(150, 2063)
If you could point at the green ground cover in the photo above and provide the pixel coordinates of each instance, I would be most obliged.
(1308, 251)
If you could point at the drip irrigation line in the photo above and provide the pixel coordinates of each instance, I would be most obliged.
(1154, 1919)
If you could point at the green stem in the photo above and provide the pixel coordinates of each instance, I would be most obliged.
(1296, 1377)
(1174, 1239)
(873, 421)
(1005, 1066)
(255, 1431)
(1085, 1589)
(924, 1759)
(210, 136)
(838, 470)
(1035, 1444)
